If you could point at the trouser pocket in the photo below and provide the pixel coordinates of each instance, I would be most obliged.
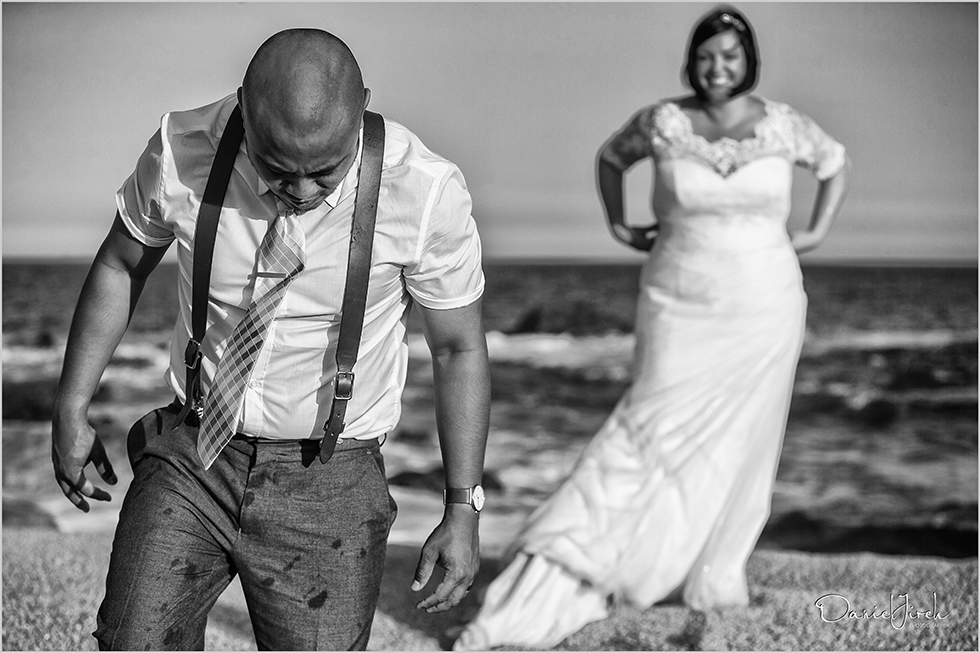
(136, 440)
(379, 461)
(157, 422)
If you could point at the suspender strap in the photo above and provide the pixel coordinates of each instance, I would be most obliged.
(207, 227)
(358, 268)
(358, 273)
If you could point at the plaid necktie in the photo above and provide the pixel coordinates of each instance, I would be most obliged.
(281, 258)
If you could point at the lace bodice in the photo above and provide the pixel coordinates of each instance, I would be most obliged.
(665, 132)
(725, 195)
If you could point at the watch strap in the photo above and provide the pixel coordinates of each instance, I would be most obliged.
(458, 495)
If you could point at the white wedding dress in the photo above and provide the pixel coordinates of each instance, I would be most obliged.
(673, 492)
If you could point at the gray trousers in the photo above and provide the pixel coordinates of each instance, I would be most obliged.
(307, 539)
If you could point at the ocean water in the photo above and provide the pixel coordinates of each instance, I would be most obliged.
(880, 451)
(576, 298)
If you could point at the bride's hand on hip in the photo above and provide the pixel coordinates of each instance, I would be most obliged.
(640, 238)
(804, 241)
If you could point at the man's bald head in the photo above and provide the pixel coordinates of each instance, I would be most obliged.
(305, 80)
(302, 100)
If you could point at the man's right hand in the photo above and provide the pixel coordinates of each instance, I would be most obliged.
(75, 444)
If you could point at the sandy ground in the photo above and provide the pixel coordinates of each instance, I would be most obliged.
(52, 586)
(55, 557)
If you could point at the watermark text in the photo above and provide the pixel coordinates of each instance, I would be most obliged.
(900, 612)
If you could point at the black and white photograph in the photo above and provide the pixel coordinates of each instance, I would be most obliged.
(407, 326)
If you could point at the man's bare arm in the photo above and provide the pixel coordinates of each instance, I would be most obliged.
(102, 315)
(462, 392)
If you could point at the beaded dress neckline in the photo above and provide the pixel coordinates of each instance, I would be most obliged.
(725, 155)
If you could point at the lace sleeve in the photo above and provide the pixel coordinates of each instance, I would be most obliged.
(633, 142)
(815, 149)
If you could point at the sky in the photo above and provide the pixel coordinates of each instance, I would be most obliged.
(519, 95)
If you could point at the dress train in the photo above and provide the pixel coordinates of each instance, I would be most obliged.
(513, 605)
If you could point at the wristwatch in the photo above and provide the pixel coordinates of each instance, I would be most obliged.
(469, 495)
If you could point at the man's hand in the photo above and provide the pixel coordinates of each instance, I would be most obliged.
(455, 546)
(75, 444)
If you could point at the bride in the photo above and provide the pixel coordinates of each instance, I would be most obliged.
(671, 495)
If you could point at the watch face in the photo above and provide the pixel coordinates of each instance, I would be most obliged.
(478, 498)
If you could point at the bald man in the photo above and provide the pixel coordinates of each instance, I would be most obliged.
(307, 539)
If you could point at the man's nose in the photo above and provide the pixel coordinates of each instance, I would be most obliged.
(303, 189)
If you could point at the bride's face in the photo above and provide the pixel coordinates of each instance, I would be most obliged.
(721, 65)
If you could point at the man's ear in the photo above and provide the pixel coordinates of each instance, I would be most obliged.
(367, 97)
(239, 96)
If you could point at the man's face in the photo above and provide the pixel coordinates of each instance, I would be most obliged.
(302, 171)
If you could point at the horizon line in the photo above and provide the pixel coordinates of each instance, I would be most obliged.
(571, 260)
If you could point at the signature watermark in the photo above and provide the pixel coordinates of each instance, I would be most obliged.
(900, 612)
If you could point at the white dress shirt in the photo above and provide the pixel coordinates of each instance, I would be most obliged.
(426, 249)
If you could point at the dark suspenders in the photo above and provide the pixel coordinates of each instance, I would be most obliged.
(358, 272)
(207, 227)
(358, 267)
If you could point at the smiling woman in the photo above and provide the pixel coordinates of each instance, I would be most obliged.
(671, 495)
(722, 67)
(722, 47)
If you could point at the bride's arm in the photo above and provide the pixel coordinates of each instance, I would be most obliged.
(610, 181)
(621, 152)
(826, 206)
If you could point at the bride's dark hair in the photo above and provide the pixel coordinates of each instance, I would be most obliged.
(723, 19)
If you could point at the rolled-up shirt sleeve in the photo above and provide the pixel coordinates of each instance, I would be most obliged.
(447, 271)
(139, 200)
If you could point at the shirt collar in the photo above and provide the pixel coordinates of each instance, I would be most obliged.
(333, 199)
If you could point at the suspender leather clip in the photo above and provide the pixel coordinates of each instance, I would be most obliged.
(192, 381)
(343, 386)
(192, 354)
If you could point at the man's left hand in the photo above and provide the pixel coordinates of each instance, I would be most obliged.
(455, 546)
